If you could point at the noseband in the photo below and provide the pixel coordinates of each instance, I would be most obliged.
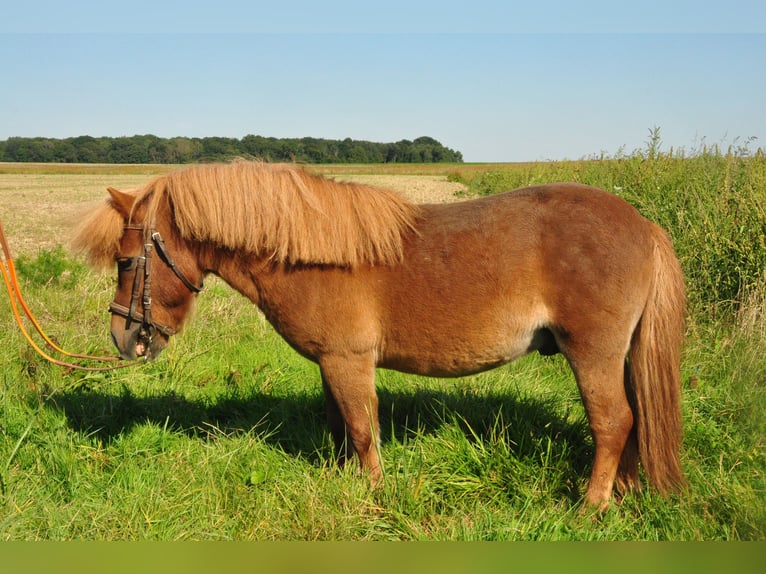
(142, 265)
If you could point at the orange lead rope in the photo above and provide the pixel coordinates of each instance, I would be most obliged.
(14, 293)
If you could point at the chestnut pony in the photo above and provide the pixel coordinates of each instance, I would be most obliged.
(355, 277)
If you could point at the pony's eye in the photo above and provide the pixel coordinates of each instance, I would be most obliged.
(126, 263)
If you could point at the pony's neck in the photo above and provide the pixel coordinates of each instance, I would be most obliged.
(244, 273)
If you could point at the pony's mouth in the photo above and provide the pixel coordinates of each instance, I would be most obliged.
(135, 343)
(150, 348)
(144, 343)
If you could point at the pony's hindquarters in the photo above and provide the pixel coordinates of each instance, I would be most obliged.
(653, 379)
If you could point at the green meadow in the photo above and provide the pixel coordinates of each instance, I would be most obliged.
(223, 437)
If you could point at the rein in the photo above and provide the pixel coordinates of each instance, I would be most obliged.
(14, 293)
(142, 265)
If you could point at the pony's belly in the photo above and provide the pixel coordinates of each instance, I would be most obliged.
(442, 359)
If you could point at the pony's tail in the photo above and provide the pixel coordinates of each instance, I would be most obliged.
(654, 370)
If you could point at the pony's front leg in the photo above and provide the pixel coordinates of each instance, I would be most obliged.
(352, 408)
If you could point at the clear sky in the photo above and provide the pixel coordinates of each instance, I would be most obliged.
(496, 80)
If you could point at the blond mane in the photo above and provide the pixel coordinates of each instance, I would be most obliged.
(274, 210)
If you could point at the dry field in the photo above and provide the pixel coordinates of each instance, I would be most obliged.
(417, 188)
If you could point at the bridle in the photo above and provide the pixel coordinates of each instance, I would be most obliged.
(142, 265)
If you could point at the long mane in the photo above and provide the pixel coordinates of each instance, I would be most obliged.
(277, 211)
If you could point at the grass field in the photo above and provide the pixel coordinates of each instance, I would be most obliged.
(224, 436)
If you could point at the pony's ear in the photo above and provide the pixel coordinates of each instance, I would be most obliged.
(122, 202)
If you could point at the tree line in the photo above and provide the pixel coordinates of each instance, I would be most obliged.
(153, 149)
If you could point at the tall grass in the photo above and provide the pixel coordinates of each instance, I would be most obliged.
(224, 437)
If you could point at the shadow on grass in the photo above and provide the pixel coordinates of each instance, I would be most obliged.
(296, 424)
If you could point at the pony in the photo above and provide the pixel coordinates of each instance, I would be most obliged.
(356, 278)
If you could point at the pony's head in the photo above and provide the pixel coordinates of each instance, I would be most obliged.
(157, 276)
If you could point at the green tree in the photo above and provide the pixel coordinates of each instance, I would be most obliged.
(152, 149)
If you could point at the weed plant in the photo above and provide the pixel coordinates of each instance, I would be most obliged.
(223, 437)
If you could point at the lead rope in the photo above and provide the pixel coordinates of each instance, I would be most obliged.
(14, 293)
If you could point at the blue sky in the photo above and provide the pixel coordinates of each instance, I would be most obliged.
(496, 80)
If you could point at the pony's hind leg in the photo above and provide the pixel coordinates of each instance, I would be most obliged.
(627, 471)
(352, 409)
(600, 380)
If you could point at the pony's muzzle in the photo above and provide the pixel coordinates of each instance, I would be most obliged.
(133, 341)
